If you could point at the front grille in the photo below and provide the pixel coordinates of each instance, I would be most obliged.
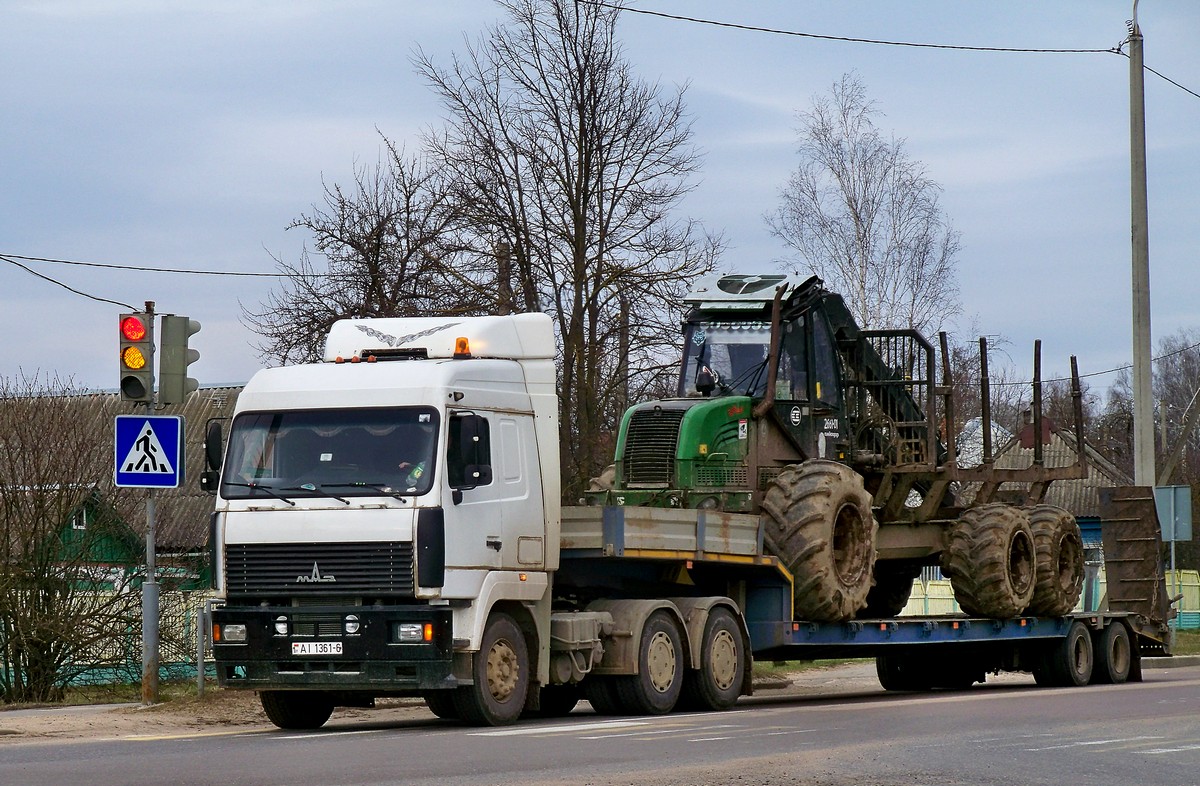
(650, 446)
(383, 569)
(721, 476)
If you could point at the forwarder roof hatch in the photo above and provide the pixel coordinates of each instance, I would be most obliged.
(736, 292)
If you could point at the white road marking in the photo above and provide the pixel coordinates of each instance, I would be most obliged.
(1086, 743)
(1180, 749)
(677, 730)
(535, 730)
(328, 733)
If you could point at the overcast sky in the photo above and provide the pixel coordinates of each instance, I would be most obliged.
(188, 135)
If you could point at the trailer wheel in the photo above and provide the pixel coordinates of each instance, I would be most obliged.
(297, 709)
(717, 684)
(441, 703)
(501, 674)
(817, 519)
(892, 589)
(902, 672)
(1068, 663)
(990, 561)
(601, 693)
(557, 701)
(1059, 562)
(1114, 655)
(657, 685)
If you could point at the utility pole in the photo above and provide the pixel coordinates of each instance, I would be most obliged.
(1143, 404)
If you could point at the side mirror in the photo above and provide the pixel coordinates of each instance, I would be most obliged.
(706, 381)
(209, 480)
(214, 445)
(478, 474)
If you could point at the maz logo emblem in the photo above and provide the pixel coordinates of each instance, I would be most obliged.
(315, 577)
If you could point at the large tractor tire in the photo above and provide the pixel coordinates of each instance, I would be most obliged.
(1059, 562)
(817, 519)
(991, 562)
(891, 591)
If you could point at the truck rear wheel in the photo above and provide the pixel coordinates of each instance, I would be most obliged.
(1059, 562)
(1068, 662)
(657, 685)
(717, 684)
(1113, 655)
(297, 709)
(990, 561)
(501, 674)
(817, 519)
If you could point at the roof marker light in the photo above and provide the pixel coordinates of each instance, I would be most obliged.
(462, 348)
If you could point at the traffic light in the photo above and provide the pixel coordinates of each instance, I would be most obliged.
(137, 356)
(174, 384)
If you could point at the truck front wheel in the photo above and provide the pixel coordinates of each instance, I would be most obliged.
(296, 709)
(817, 519)
(501, 674)
(659, 681)
(717, 684)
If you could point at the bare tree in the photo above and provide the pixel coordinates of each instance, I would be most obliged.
(865, 217)
(575, 166)
(61, 605)
(389, 247)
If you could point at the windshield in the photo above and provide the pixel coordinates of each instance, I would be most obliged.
(331, 453)
(735, 352)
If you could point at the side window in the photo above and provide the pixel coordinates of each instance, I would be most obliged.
(468, 451)
(828, 384)
(791, 383)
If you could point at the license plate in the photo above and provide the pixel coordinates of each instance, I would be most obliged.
(316, 648)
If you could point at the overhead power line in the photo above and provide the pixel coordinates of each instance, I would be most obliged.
(143, 268)
(844, 39)
(71, 289)
(1112, 50)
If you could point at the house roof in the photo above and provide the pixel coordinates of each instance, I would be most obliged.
(1060, 449)
(181, 514)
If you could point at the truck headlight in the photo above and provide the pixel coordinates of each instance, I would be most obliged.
(412, 633)
(281, 625)
(352, 623)
(232, 634)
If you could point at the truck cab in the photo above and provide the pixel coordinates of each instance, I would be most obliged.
(373, 509)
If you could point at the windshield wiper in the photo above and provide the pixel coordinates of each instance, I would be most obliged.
(320, 490)
(380, 487)
(259, 487)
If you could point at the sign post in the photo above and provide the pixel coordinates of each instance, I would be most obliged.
(149, 454)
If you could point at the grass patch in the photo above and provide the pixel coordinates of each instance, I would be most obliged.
(1187, 642)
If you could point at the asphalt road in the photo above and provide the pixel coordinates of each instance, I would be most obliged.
(1010, 733)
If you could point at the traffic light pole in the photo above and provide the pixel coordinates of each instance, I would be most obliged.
(150, 609)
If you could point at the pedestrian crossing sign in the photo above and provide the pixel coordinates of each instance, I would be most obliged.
(149, 451)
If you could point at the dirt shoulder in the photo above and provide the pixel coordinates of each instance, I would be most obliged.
(226, 712)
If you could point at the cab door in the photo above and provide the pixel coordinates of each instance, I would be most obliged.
(491, 471)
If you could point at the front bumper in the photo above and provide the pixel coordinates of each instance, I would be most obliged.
(372, 660)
